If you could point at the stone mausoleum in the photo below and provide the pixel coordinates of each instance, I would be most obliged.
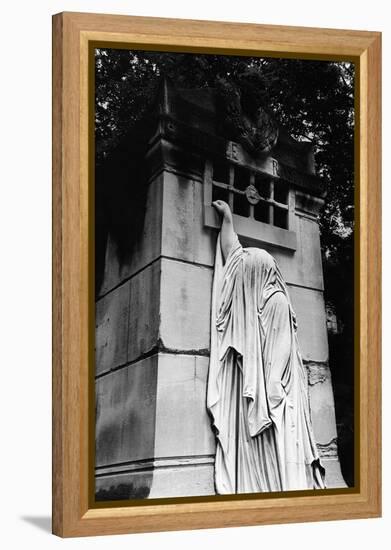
(153, 432)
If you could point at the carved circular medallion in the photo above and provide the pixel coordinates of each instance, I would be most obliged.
(252, 195)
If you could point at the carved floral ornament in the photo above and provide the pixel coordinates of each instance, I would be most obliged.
(255, 129)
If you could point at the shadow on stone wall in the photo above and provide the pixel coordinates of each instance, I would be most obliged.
(123, 491)
(120, 204)
(342, 370)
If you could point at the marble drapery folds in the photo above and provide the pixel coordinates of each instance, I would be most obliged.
(257, 385)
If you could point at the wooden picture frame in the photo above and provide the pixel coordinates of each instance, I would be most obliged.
(73, 513)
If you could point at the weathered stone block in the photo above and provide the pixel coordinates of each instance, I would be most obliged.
(144, 311)
(311, 318)
(112, 325)
(183, 426)
(185, 306)
(308, 255)
(127, 320)
(183, 481)
(126, 413)
(184, 234)
(322, 403)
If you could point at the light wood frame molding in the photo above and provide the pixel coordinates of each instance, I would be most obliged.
(73, 514)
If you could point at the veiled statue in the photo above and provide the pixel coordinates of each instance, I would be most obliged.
(257, 386)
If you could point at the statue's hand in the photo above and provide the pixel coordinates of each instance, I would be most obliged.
(222, 208)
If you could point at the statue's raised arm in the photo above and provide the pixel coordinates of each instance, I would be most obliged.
(227, 233)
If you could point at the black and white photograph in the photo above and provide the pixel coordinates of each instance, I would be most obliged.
(224, 275)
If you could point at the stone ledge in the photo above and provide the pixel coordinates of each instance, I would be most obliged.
(328, 450)
(247, 228)
(154, 464)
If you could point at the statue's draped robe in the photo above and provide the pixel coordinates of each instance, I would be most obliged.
(257, 385)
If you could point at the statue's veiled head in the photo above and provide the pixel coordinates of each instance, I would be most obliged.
(262, 274)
